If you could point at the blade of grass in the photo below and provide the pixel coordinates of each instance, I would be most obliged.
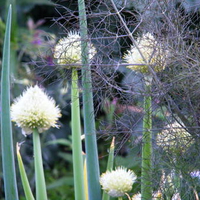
(110, 165)
(76, 139)
(146, 183)
(14, 42)
(41, 193)
(111, 155)
(88, 111)
(8, 163)
(25, 183)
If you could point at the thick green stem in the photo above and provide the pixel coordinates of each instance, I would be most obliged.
(41, 193)
(9, 174)
(76, 139)
(146, 183)
(88, 111)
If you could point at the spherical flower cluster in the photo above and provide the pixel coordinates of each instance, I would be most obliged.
(68, 50)
(151, 50)
(174, 138)
(117, 182)
(34, 110)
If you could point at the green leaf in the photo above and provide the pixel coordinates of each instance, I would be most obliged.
(9, 173)
(14, 38)
(88, 110)
(60, 182)
(111, 155)
(25, 183)
(64, 142)
(110, 165)
(66, 156)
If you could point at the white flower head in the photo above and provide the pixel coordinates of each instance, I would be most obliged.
(35, 110)
(117, 182)
(68, 50)
(174, 138)
(151, 50)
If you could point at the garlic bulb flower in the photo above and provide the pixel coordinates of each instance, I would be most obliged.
(174, 138)
(117, 182)
(151, 50)
(68, 50)
(34, 109)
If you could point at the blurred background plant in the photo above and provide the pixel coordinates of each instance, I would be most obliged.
(118, 91)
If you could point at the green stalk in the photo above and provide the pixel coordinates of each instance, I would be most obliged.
(88, 111)
(25, 183)
(111, 155)
(9, 174)
(41, 193)
(14, 42)
(110, 165)
(146, 183)
(76, 139)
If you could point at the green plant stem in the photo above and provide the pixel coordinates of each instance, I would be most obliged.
(76, 139)
(110, 165)
(41, 193)
(111, 156)
(146, 184)
(25, 183)
(88, 111)
(9, 174)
